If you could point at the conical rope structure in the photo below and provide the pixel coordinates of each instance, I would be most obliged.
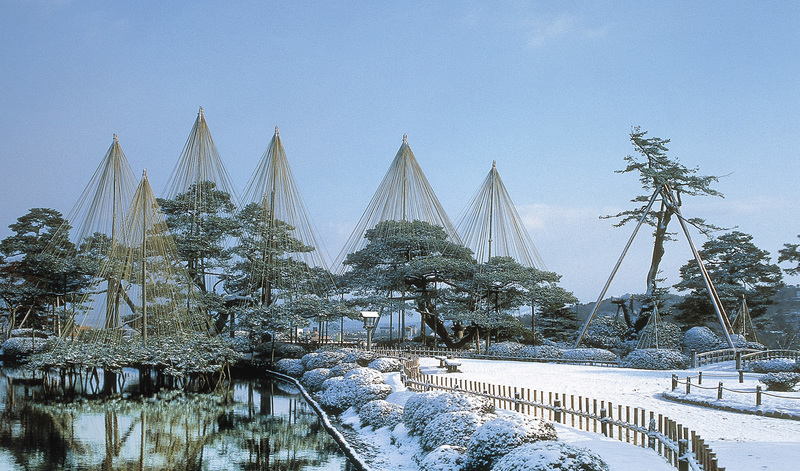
(491, 226)
(742, 323)
(158, 318)
(403, 195)
(279, 253)
(200, 203)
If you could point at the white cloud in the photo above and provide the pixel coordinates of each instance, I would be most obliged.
(542, 32)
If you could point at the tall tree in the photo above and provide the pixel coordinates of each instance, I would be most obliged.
(41, 269)
(738, 268)
(202, 221)
(791, 253)
(668, 181)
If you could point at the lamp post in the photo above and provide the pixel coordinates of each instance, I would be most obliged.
(370, 322)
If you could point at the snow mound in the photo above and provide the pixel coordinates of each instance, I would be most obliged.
(324, 359)
(313, 379)
(497, 437)
(380, 413)
(504, 349)
(356, 388)
(342, 368)
(23, 346)
(422, 408)
(452, 428)
(588, 354)
(701, 339)
(550, 456)
(540, 351)
(290, 366)
(363, 358)
(775, 365)
(444, 458)
(656, 359)
(386, 365)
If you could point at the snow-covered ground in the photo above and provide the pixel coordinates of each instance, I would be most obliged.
(742, 442)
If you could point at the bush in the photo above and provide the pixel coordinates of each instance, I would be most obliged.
(452, 428)
(670, 336)
(380, 413)
(290, 366)
(342, 368)
(504, 349)
(780, 381)
(324, 359)
(356, 388)
(23, 346)
(701, 339)
(588, 354)
(313, 379)
(422, 408)
(540, 351)
(444, 458)
(656, 359)
(550, 456)
(495, 438)
(363, 358)
(386, 365)
(776, 365)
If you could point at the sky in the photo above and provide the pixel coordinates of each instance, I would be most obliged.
(548, 90)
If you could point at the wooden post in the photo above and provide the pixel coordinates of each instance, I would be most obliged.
(651, 433)
(738, 359)
(699, 377)
(683, 460)
(557, 411)
(688, 384)
(719, 390)
(693, 358)
(741, 376)
(603, 422)
(674, 381)
(758, 395)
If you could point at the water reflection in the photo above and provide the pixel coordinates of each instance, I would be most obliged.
(267, 427)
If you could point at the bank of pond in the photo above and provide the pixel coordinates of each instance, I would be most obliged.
(257, 423)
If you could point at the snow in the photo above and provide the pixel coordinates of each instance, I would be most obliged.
(742, 442)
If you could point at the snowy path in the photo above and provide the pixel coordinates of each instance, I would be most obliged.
(742, 442)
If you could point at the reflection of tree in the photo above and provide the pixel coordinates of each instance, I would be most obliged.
(266, 429)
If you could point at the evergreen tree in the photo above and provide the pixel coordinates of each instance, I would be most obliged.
(669, 181)
(791, 253)
(738, 269)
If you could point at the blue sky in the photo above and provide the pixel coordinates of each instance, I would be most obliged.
(550, 90)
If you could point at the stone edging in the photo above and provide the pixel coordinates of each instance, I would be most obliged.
(348, 450)
(710, 405)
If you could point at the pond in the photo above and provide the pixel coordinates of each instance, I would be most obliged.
(267, 426)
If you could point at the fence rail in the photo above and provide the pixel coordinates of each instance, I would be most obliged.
(769, 355)
(458, 353)
(682, 447)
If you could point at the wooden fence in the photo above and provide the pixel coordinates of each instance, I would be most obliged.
(743, 356)
(682, 447)
(458, 353)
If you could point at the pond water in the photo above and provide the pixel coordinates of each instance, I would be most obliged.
(267, 426)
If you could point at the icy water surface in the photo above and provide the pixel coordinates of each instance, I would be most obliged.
(268, 426)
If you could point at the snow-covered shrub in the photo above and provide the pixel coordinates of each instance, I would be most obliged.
(362, 357)
(605, 332)
(386, 365)
(356, 388)
(742, 342)
(324, 359)
(452, 428)
(780, 381)
(775, 365)
(656, 359)
(670, 336)
(444, 458)
(701, 339)
(23, 346)
(540, 351)
(342, 368)
(313, 379)
(588, 354)
(499, 436)
(380, 413)
(284, 350)
(422, 408)
(504, 349)
(290, 366)
(550, 456)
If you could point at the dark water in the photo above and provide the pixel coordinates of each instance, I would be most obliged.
(268, 426)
